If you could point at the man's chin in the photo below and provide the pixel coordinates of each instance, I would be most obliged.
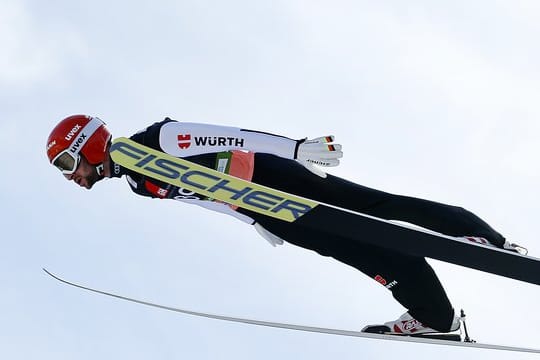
(90, 182)
(86, 184)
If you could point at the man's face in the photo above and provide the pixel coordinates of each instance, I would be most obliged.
(86, 175)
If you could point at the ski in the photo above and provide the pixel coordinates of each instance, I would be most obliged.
(316, 215)
(311, 329)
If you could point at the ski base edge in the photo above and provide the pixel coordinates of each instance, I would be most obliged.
(312, 329)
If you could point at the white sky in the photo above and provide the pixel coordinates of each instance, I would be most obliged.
(436, 100)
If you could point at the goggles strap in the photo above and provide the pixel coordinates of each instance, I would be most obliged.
(100, 168)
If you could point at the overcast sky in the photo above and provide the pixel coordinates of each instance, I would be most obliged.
(438, 100)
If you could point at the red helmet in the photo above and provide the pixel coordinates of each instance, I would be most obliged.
(75, 135)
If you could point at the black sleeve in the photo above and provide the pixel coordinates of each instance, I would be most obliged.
(150, 135)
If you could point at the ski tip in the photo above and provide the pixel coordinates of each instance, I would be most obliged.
(52, 275)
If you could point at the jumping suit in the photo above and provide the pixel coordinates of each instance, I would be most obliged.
(267, 159)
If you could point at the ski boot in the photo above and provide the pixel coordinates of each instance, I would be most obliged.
(406, 325)
(506, 246)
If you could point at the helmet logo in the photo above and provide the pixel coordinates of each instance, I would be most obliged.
(72, 132)
(51, 144)
(77, 144)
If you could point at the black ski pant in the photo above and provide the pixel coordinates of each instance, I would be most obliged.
(411, 279)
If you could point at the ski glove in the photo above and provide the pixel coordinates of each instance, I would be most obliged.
(319, 151)
(274, 240)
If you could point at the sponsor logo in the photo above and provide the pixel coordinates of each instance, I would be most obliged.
(380, 280)
(73, 131)
(75, 147)
(186, 140)
(51, 144)
(117, 169)
(156, 190)
(411, 325)
(477, 239)
(197, 180)
(384, 282)
(162, 192)
(186, 194)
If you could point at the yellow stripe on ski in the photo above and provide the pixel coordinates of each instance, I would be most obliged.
(208, 182)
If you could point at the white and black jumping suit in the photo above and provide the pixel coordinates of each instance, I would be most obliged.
(411, 279)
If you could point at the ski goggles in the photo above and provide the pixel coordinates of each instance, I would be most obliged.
(68, 160)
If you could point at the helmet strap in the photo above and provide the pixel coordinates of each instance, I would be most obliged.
(99, 169)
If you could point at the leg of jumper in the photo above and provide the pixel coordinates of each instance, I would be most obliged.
(288, 175)
(446, 219)
(411, 280)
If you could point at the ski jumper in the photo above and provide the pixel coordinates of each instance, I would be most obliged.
(267, 159)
